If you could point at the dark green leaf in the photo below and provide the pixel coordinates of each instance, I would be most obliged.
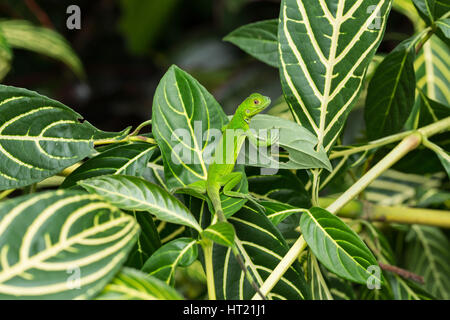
(61, 245)
(258, 39)
(183, 110)
(390, 96)
(132, 193)
(337, 246)
(221, 233)
(162, 264)
(131, 284)
(262, 248)
(39, 137)
(129, 159)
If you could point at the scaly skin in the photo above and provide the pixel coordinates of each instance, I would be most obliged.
(220, 172)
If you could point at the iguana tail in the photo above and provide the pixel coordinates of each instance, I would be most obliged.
(214, 195)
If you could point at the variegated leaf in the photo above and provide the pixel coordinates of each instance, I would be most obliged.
(130, 159)
(432, 67)
(428, 254)
(163, 263)
(40, 137)
(262, 247)
(61, 245)
(325, 48)
(131, 284)
(183, 114)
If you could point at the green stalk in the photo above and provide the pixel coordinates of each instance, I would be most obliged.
(408, 144)
(391, 214)
(207, 246)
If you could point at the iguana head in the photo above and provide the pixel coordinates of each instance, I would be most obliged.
(253, 105)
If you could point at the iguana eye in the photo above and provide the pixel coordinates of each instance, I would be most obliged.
(256, 101)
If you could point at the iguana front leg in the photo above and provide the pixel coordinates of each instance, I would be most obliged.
(230, 181)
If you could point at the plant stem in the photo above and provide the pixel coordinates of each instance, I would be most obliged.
(139, 127)
(392, 214)
(127, 139)
(207, 246)
(409, 143)
(6, 193)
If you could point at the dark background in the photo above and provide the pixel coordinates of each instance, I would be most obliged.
(126, 46)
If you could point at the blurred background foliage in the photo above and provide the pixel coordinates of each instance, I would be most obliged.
(127, 45)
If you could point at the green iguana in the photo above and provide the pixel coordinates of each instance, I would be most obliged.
(220, 171)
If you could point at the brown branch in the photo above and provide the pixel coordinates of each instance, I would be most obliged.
(402, 273)
(39, 13)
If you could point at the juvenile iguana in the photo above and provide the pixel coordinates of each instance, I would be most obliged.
(220, 171)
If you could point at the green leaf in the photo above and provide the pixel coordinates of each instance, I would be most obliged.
(431, 10)
(432, 69)
(24, 35)
(162, 264)
(130, 159)
(147, 243)
(403, 289)
(444, 30)
(183, 110)
(221, 233)
(295, 139)
(5, 56)
(258, 39)
(132, 193)
(284, 186)
(325, 49)
(431, 111)
(39, 137)
(427, 254)
(61, 245)
(262, 247)
(316, 280)
(390, 96)
(337, 246)
(131, 284)
(277, 211)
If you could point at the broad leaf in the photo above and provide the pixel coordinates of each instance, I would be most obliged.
(131, 284)
(284, 186)
(337, 246)
(443, 31)
(325, 48)
(431, 10)
(132, 193)
(277, 211)
(295, 139)
(39, 137)
(390, 96)
(183, 114)
(22, 34)
(61, 245)
(262, 248)
(221, 233)
(259, 40)
(162, 264)
(130, 159)
(427, 254)
(403, 289)
(147, 242)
